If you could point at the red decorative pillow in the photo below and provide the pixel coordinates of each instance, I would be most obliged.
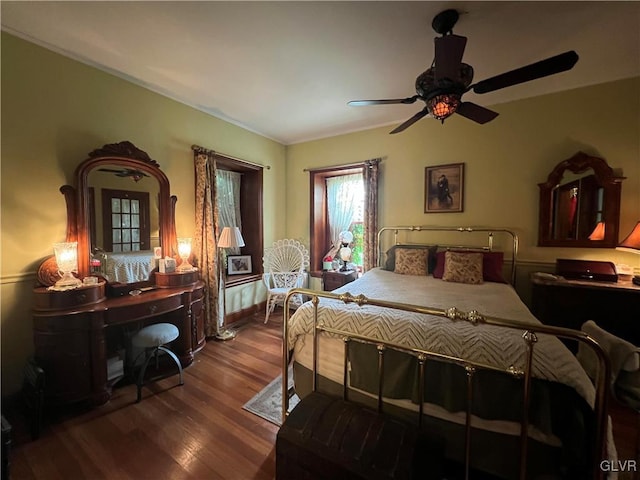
(491, 266)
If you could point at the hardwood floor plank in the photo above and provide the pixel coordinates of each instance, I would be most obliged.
(198, 430)
(195, 431)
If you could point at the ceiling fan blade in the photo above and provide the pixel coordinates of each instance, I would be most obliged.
(449, 51)
(475, 112)
(550, 66)
(362, 103)
(423, 113)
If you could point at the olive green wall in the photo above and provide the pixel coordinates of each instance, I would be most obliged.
(56, 110)
(504, 162)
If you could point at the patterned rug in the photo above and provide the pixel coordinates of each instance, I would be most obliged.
(268, 402)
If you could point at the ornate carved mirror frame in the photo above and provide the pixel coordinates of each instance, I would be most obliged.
(126, 155)
(611, 185)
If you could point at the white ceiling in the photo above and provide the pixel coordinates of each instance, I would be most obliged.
(286, 70)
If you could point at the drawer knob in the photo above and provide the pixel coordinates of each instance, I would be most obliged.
(153, 308)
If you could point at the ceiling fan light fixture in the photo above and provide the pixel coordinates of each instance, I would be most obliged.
(443, 106)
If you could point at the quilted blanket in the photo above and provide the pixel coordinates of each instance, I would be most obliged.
(496, 346)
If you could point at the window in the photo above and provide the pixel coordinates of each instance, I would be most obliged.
(228, 187)
(126, 220)
(242, 181)
(337, 205)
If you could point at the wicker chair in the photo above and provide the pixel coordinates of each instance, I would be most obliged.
(284, 269)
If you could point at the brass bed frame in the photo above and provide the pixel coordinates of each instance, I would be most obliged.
(529, 336)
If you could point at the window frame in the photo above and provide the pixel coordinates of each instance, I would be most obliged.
(319, 231)
(251, 214)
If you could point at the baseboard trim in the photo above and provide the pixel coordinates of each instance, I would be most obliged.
(245, 312)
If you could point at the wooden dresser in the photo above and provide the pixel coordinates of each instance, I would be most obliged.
(569, 303)
(336, 279)
(76, 331)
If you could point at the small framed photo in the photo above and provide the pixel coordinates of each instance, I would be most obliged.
(238, 264)
(444, 188)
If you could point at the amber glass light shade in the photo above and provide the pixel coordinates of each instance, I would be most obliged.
(632, 242)
(443, 106)
(598, 232)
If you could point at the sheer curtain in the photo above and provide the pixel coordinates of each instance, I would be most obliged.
(228, 200)
(205, 241)
(342, 192)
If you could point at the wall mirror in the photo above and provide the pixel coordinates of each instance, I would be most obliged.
(123, 210)
(580, 204)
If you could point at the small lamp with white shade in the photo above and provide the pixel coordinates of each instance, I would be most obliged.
(346, 238)
(230, 237)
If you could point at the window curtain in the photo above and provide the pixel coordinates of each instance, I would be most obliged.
(228, 200)
(371, 170)
(206, 239)
(341, 193)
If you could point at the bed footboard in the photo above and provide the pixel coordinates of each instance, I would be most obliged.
(523, 373)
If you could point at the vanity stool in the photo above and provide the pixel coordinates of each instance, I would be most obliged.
(152, 339)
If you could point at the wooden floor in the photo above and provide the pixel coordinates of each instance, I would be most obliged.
(197, 431)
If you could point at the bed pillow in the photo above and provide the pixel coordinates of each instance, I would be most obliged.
(411, 261)
(491, 265)
(390, 263)
(462, 267)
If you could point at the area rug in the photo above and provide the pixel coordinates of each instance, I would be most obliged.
(268, 402)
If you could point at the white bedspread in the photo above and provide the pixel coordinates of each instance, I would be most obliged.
(495, 346)
(129, 267)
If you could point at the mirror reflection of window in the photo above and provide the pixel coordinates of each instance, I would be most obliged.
(126, 221)
(578, 208)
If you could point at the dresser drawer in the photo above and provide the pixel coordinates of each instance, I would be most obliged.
(333, 280)
(141, 310)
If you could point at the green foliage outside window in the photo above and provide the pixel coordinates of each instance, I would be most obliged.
(357, 250)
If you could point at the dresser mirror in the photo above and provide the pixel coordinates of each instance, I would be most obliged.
(124, 210)
(580, 204)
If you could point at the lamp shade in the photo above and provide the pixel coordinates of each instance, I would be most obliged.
(598, 232)
(230, 238)
(346, 236)
(632, 242)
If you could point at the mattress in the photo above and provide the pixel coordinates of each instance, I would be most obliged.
(557, 375)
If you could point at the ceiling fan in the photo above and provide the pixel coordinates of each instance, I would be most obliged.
(442, 85)
(137, 175)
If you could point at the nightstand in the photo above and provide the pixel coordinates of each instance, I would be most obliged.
(336, 279)
(614, 306)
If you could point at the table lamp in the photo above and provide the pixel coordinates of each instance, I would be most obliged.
(184, 251)
(632, 244)
(67, 259)
(346, 238)
(230, 237)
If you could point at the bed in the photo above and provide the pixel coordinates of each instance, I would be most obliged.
(453, 333)
(129, 267)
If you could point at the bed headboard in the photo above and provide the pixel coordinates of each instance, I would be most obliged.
(478, 238)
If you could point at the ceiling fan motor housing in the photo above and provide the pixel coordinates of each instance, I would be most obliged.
(427, 86)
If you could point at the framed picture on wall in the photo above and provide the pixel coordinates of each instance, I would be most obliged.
(444, 188)
(238, 264)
